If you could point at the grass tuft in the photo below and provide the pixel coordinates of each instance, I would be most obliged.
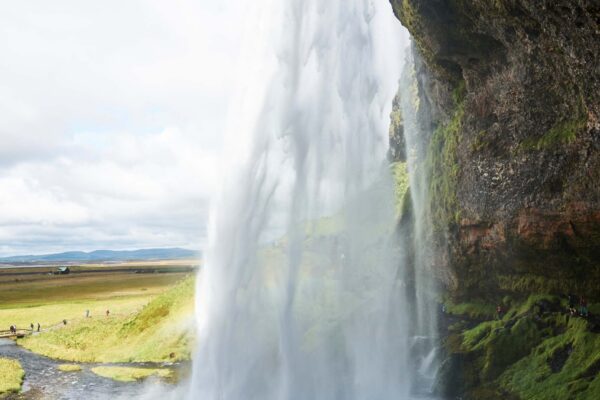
(131, 374)
(69, 368)
(11, 376)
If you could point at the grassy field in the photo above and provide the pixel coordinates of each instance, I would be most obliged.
(45, 273)
(161, 331)
(11, 376)
(48, 301)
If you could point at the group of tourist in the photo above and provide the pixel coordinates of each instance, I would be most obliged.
(13, 328)
(582, 310)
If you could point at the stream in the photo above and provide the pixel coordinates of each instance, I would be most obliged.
(43, 379)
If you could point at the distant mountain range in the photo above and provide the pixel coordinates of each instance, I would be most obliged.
(106, 255)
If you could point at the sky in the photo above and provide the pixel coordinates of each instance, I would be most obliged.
(111, 121)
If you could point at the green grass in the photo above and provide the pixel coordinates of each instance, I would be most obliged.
(11, 376)
(69, 368)
(53, 299)
(161, 331)
(130, 374)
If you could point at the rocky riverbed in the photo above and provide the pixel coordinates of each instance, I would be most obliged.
(43, 379)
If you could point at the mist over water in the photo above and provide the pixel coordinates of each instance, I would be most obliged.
(304, 293)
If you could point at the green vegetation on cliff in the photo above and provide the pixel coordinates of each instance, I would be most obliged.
(443, 167)
(564, 365)
(401, 188)
(161, 331)
(514, 167)
(535, 351)
(563, 132)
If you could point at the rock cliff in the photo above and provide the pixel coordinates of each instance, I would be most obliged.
(512, 89)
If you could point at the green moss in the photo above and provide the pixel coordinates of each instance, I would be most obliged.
(564, 366)
(459, 93)
(529, 354)
(563, 132)
(443, 169)
(532, 302)
(500, 345)
(474, 336)
(401, 189)
(506, 346)
(479, 142)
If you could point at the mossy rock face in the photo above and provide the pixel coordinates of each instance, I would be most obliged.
(508, 345)
(510, 91)
(513, 94)
(537, 350)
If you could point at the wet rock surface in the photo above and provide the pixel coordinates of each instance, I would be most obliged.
(512, 95)
(524, 199)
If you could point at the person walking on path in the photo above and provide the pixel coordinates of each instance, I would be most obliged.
(38, 327)
(107, 313)
(31, 325)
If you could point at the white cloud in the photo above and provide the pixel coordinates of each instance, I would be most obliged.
(111, 119)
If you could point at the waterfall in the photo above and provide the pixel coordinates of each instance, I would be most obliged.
(418, 235)
(302, 295)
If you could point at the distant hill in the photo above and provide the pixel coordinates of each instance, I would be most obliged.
(106, 255)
